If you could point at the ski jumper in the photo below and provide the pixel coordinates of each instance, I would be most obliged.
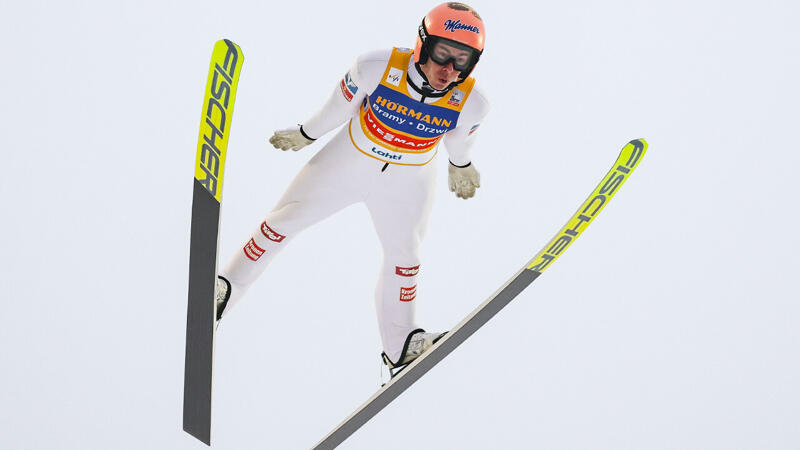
(384, 157)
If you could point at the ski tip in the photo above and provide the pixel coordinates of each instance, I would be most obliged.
(632, 153)
(639, 142)
(230, 44)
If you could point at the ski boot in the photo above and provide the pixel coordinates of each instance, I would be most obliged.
(222, 294)
(417, 342)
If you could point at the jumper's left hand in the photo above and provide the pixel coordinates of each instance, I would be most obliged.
(463, 180)
(290, 139)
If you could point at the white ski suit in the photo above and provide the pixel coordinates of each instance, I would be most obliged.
(383, 157)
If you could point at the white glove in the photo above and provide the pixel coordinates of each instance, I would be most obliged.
(463, 180)
(290, 138)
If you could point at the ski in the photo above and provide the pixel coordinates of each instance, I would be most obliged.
(215, 124)
(627, 161)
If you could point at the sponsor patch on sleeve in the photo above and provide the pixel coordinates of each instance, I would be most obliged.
(348, 87)
(474, 127)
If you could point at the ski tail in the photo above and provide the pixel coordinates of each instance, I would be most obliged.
(215, 124)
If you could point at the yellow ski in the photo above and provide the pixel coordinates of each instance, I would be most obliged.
(215, 125)
(628, 159)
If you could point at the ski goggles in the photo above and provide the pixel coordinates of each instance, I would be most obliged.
(444, 51)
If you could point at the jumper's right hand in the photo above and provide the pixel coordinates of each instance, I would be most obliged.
(463, 180)
(290, 138)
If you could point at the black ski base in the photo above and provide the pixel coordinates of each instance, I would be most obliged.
(200, 315)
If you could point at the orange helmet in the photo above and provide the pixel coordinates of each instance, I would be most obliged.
(457, 25)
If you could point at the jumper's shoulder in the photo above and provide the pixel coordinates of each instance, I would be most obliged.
(478, 101)
(373, 60)
(369, 67)
(476, 107)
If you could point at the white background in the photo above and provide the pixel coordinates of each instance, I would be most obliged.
(672, 324)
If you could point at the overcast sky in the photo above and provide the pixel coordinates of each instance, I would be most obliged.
(672, 323)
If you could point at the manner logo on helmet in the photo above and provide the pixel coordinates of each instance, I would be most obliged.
(252, 250)
(406, 271)
(348, 87)
(455, 25)
(270, 234)
(394, 77)
(408, 293)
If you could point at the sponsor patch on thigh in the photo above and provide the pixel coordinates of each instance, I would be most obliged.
(408, 293)
(270, 234)
(252, 250)
(406, 271)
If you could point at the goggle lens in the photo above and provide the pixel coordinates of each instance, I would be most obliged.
(444, 52)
